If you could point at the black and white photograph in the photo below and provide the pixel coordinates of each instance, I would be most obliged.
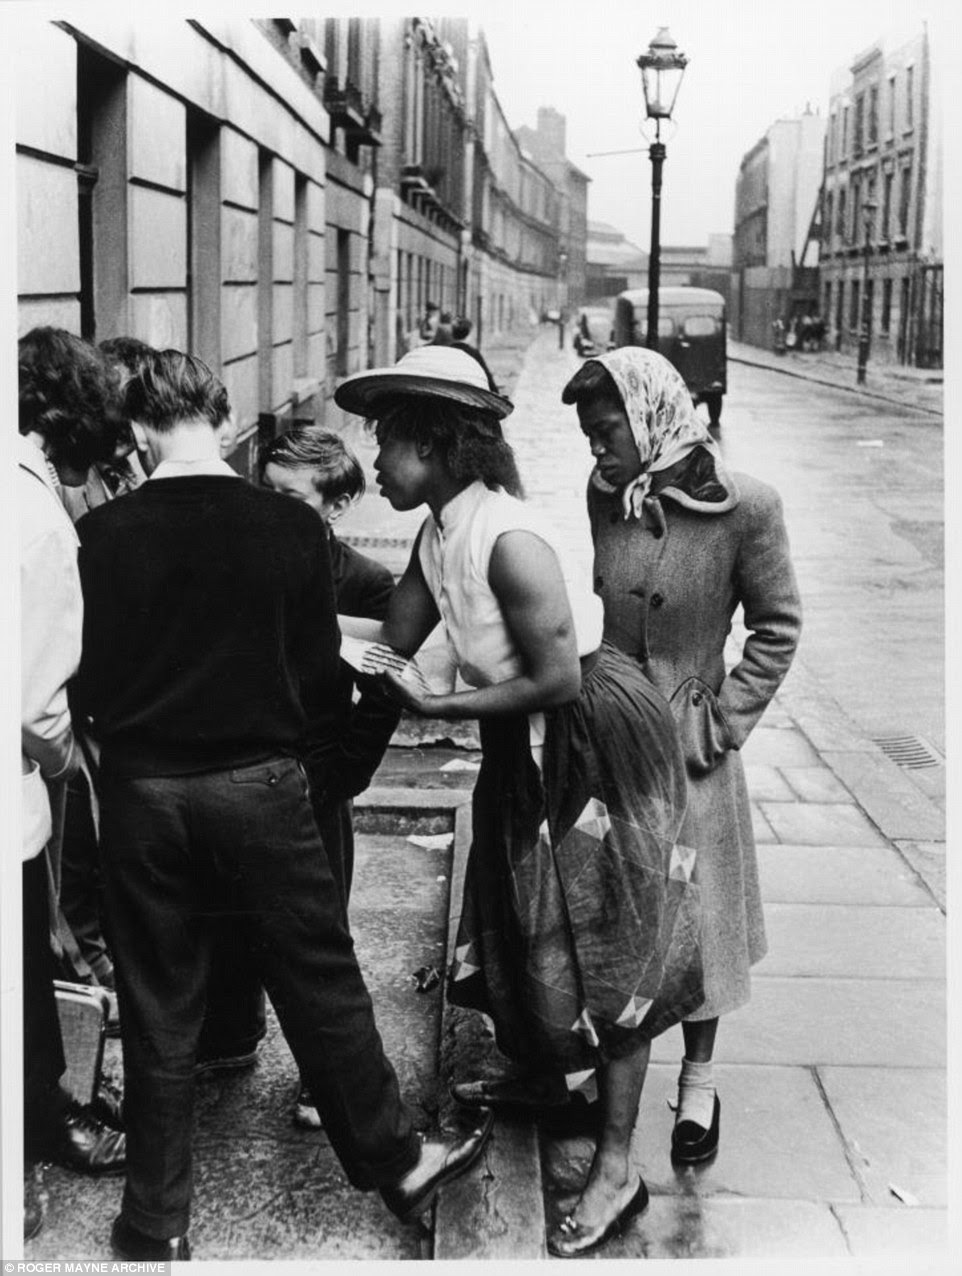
(481, 626)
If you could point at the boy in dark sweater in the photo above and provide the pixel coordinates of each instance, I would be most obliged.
(210, 640)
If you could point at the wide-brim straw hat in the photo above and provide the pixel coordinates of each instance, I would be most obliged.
(432, 372)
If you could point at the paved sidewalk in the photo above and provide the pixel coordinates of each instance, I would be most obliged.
(919, 388)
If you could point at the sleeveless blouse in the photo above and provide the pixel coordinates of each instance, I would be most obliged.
(455, 552)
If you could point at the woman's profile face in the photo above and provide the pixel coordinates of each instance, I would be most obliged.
(402, 473)
(605, 425)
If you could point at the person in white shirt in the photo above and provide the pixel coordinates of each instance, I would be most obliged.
(65, 392)
(579, 925)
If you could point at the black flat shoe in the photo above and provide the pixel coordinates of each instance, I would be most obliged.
(131, 1243)
(691, 1143)
(441, 1160)
(570, 1239)
(512, 1092)
(86, 1143)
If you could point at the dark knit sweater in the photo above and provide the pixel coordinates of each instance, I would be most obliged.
(210, 627)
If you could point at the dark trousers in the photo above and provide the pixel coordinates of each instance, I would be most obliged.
(178, 850)
(43, 1058)
(81, 886)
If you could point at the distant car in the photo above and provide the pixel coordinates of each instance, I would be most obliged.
(552, 316)
(592, 330)
(692, 334)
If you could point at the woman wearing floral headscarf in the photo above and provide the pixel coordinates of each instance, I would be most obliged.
(679, 544)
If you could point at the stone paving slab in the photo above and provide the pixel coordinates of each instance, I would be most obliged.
(761, 829)
(778, 1138)
(870, 1022)
(916, 1235)
(766, 783)
(778, 746)
(894, 1123)
(928, 860)
(820, 824)
(839, 875)
(853, 941)
(815, 784)
(887, 794)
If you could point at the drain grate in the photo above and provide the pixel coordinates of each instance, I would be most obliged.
(908, 751)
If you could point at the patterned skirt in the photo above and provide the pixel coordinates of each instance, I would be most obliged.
(579, 931)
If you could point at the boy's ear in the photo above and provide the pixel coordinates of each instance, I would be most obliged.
(140, 435)
(340, 505)
(424, 448)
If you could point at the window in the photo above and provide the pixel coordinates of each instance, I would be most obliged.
(840, 217)
(699, 326)
(873, 115)
(343, 302)
(885, 319)
(904, 196)
(890, 119)
(845, 114)
(827, 300)
(203, 238)
(855, 293)
(831, 139)
(909, 97)
(829, 226)
(102, 195)
(856, 188)
(839, 310)
(858, 137)
(301, 315)
(888, 182)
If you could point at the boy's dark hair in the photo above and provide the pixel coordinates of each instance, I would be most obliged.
(592, 381)
(130, 352)
(460, 328)
(335, 469)
(69, 395)
(171, 387)
(469, 441)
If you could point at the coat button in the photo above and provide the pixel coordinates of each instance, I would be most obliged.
(656, 600)
(697, 698)
(614, 517)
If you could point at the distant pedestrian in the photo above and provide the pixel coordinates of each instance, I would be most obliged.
(578, 932)
(680, 543)
(200, 676)
(460, 331)
(429, 324)
(443, 335)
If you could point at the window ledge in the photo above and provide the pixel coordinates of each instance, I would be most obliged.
(304, 388)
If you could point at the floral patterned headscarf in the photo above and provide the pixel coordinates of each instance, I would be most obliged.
(661, 415)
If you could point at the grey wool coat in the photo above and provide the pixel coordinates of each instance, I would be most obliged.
(670, 588)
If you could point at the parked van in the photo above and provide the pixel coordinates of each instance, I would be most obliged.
(692, 334)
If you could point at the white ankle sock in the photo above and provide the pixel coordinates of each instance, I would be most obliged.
(696, 1093)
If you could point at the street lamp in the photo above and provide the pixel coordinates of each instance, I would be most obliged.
(662, 68)
(865, 333)
(562, 296)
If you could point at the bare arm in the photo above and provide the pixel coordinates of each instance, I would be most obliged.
(411, 616)
(526, 579)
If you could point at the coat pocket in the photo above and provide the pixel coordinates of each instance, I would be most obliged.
(705, 737)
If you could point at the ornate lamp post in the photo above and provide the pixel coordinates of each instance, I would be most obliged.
(562, 296)
(662, 68)
(869, 209)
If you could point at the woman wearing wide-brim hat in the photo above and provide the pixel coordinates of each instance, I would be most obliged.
(579, 931)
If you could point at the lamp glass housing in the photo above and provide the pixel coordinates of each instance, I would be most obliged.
(662, 68)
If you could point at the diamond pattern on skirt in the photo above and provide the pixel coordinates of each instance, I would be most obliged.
(461, 968)
(585, 1027)
(579, 1080)
(682, 863)
(594, 819)
(634, 1012)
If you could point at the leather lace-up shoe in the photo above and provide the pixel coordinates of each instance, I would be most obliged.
(441, 1160)
(304, 1113)
(131, 1243)
(691, 1143)
(108, 1104)
(87, 1144)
